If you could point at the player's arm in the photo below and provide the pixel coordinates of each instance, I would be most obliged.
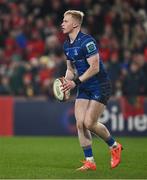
(91, 54)
(69, 76)
(70, 71)
(93, 69)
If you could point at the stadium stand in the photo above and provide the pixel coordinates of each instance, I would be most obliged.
(31, 54)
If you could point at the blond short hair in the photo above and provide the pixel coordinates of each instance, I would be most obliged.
(78, 15)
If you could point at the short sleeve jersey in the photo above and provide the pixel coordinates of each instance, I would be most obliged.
(83, 47)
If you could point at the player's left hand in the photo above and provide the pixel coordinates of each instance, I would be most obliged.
(68, 85)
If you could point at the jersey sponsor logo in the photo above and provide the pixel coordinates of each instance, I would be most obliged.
(90, 47)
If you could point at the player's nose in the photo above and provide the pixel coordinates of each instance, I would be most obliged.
(62, 24)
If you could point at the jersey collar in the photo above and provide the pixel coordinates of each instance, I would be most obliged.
(77, 37)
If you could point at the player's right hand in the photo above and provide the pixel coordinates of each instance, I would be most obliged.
(68, 85)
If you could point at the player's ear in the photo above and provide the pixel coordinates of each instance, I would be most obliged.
(75, 25)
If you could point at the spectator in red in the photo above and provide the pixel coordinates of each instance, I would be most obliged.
(35, 46)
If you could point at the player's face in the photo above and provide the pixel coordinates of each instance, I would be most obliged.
(68, 24)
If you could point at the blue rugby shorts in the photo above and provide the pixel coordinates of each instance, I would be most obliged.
(100, 94)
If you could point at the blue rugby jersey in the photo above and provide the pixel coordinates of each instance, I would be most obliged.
(77, 52)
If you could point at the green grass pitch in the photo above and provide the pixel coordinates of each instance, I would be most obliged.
(58, 157)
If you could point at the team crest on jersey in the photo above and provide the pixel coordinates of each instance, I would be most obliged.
(90, 47)
(75, 52)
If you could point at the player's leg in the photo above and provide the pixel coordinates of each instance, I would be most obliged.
(94, 111)
(84, 134)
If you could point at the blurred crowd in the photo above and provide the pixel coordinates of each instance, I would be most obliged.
(31, 54)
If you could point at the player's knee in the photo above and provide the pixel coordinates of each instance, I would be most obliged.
(79, 125)
(88, 124)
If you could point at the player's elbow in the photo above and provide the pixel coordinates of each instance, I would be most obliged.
(95, 69)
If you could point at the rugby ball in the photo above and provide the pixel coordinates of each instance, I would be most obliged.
(57, 90)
